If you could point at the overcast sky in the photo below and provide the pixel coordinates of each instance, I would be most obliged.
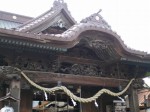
(129, 18)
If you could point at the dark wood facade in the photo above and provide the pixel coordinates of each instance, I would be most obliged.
(88, 56)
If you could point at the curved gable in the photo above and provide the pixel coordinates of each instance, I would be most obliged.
(106, 43)
(58, 13)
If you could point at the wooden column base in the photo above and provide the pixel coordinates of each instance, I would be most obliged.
(15, 92)
(26, 100)
(133, 100)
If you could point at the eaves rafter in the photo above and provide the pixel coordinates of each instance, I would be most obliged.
(72, 36)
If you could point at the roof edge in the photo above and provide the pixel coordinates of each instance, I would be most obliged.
(58, 6)
(71, 37)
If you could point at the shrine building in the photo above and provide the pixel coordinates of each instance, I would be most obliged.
(51, 63)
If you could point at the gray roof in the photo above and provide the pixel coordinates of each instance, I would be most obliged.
(14, 17)
(11, 20)
(8, 24)
(57, 13)
(104, 35)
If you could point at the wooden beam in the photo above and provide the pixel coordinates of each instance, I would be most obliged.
(133, 99)
(48, 77)
(79, 60)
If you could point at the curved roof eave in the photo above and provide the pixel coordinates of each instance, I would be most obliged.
(71, 37)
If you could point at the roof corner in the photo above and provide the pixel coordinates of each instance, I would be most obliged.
(96, 19)
(59, 5)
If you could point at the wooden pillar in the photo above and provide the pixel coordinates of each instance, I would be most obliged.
(1, 95)
(26, 100)
(15, 92)
(89, 107)
(133, 100)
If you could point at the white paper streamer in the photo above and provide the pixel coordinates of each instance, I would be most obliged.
(121, 99)
(45, 94)
(74, 103)
(96, 104)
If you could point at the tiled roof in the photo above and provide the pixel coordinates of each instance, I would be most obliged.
(7, 16)
(70, 37)
(11, 20)
(8, 24)
(58, 6)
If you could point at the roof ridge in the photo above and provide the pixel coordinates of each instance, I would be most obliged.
(13, 17)
(16, 14)
(58, 5)
(96, 18)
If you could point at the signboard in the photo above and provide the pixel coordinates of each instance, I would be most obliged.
(119, 106)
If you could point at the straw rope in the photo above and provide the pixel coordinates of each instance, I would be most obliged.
(74, 97)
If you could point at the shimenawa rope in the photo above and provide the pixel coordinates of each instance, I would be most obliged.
(69, 93)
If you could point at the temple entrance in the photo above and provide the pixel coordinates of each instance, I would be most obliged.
(33, 96)
(55, 102)
(59, 102)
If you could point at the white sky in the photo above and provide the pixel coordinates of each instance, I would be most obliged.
(147, 81)
(129, 18)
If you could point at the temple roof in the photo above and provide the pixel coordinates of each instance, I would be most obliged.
(59, 13)
(10, 20)
(7, 16)
(94, 30)
(8, 24)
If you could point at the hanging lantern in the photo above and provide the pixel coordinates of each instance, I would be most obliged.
(7, 109)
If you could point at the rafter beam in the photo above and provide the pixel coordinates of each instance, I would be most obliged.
(79, 60)
(48, 77)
